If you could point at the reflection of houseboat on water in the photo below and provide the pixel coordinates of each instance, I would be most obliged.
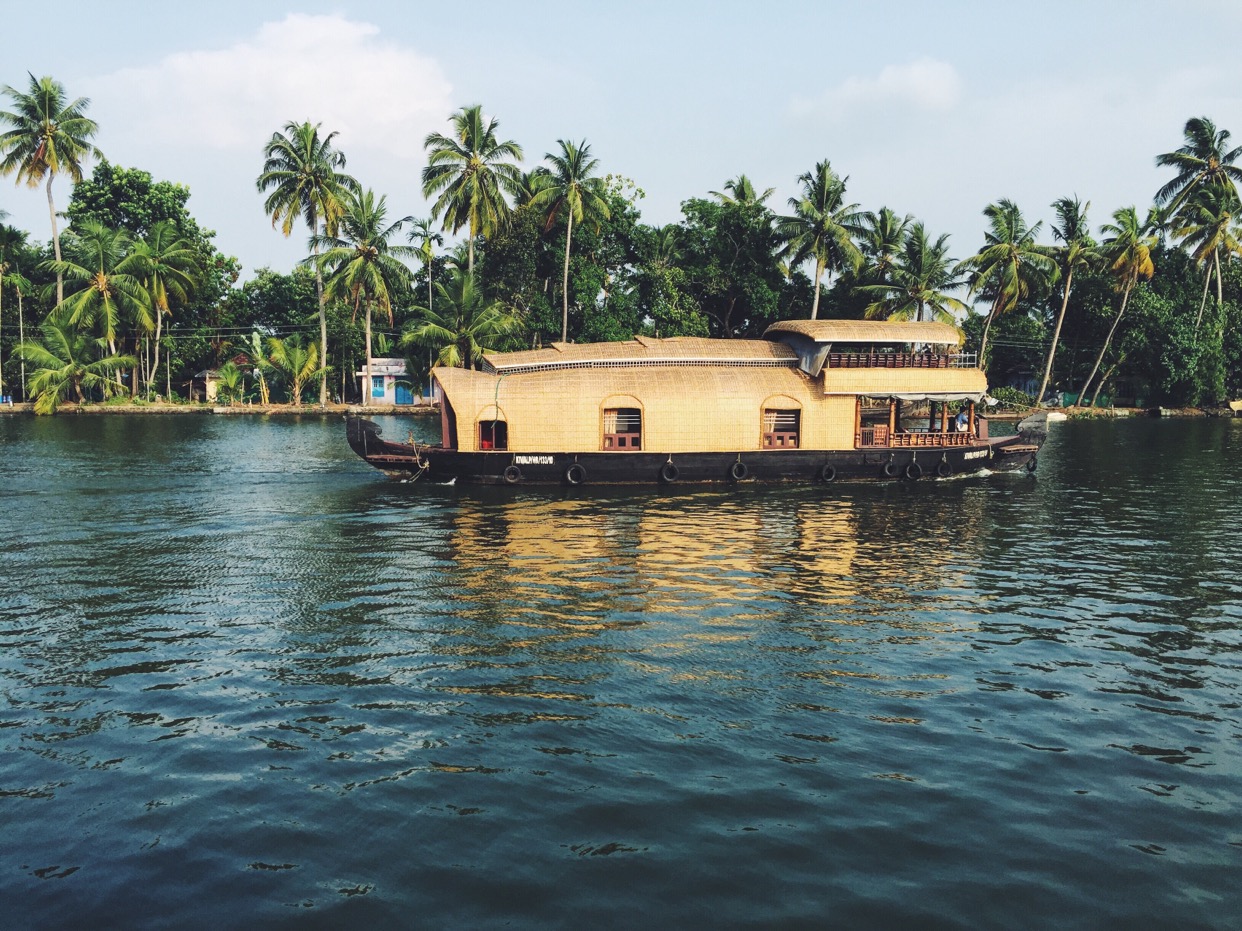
(814, 400)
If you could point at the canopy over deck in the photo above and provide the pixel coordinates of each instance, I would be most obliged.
(814, 339)
(868, 331)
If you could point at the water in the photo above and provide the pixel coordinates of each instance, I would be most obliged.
(247, 680)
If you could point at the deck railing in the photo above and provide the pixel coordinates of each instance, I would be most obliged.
(880, 437)
(901, 360)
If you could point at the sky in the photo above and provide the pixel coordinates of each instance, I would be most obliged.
(930, 108)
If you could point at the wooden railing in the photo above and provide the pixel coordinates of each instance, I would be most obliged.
(900, 360)
(879, 436)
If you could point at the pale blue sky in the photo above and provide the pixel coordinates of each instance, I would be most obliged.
(933, 109)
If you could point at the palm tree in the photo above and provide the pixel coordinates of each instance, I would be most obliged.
(103, 294)
(922, 275)
(230, 381)
(364, 267)
(296, 363)
(742, 191)
(1010, 267)
(470, 171)
(422, 234)
(569, 188)
(882, 239)
(301, 171)
(256, 356)
(1205, 159)
(466, 326)
(168, 267)
(1205, 224)
(48, 137)
(1127, 249)
(68, 360)
(822, 226)
(1077, 250)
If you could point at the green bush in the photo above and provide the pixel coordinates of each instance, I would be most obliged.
(1012, 399)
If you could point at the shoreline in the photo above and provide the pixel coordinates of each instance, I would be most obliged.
(194, 409)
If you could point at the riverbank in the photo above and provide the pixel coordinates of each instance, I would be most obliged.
(266, 410)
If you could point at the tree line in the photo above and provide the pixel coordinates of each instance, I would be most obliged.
(134, 297)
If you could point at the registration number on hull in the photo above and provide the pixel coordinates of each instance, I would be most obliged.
(532, 460)
(977, 454)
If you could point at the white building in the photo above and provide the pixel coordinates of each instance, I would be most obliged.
(391, 383)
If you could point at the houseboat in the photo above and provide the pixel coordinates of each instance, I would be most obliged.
(812, 401)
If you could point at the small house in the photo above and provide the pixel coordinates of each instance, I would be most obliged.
(391, 383)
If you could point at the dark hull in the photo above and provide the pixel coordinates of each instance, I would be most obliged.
(437, 464)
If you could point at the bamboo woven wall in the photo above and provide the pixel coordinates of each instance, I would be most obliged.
(700, 408)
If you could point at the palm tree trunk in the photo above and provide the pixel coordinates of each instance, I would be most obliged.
(1107, 342)
(569, 232)
(1220, 297)
(1099, 385)
(1, 330)
(1207, 280)
(1056, 337)
(51, 209)
(323, 323)
(819, 273)
(155, 361)
(470, 252)
(21, 338)
(987, 325)
(366, 388)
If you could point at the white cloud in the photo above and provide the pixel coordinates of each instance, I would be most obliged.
(925, 84)
(327, 69)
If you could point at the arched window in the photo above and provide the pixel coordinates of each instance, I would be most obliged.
(781, 426)
(493, 429)
(622, 425)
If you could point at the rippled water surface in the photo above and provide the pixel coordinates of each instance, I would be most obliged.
(246, 680)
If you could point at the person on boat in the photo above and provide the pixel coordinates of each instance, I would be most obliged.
(962, 420)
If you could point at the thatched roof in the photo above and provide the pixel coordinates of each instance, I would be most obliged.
(867, 331)
(645, 351)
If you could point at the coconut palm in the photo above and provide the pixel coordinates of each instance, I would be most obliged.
(252, 350)
(47, 136)
(296, 363)
(742, 191)
(1077, 250)
(467, 324)
(168, 267)
(1204, 160)
(1127, 249)
(301, 171)
(821, 227)
(1010, 267)
(1205, 224)
(882, 239)
(469, 172)
(68, 360)
(230, 382)
(426, 239)
(570, 188)
(101, 294)
(364, 267)
(919, 281)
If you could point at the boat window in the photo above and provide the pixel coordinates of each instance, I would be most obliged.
(493, 434)
(623, 428)
(781, 429)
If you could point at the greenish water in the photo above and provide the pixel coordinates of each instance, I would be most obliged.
(247, 680)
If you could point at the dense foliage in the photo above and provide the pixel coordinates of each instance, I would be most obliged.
(1146, 308)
